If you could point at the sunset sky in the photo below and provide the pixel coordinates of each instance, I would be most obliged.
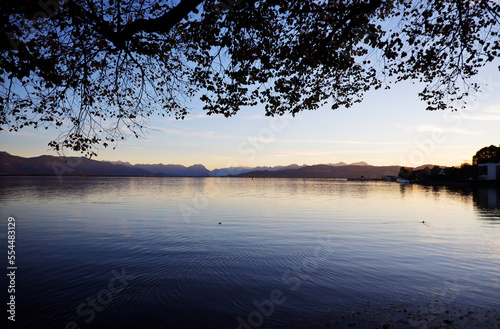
(390, 127)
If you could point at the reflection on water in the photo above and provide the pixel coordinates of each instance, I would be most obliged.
(311, 245)
(487, 202)
(487, 197)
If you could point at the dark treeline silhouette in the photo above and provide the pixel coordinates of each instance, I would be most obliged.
(463, 174)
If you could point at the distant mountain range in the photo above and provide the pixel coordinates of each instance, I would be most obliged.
(51, 165)
(329, 171)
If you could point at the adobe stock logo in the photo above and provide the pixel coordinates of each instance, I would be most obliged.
(292, 278)
(99, 301)
(49, 8)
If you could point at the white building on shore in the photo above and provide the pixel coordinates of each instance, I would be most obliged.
(488, 171)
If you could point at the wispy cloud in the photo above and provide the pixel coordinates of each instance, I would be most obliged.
(326, 155)
(434, 128)
(24, 134)
(492, 109)
(191, 117)
(483, 117)
(352, 142)
(255, 117)
(309, 154)
(221, 157)
(203, 134)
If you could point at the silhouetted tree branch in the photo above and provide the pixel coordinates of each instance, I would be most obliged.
(98, 70)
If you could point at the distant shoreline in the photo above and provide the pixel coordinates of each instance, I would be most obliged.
(91, 175)
(469, 184)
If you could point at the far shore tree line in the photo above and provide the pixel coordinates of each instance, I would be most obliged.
(464, 172)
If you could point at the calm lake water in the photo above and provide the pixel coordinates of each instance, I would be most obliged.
(241, 253)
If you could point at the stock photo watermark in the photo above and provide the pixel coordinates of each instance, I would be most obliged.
(293, 279)
(249, 149)
(11, 268)
(86, 311)
(427, 146)
(437, 311)
(66, 167)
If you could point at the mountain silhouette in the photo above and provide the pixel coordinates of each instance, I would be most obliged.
(329, 171)
(51, 165)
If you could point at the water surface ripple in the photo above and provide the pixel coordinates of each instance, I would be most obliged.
(316, 247)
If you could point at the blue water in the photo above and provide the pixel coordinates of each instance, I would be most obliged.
(97, 252)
